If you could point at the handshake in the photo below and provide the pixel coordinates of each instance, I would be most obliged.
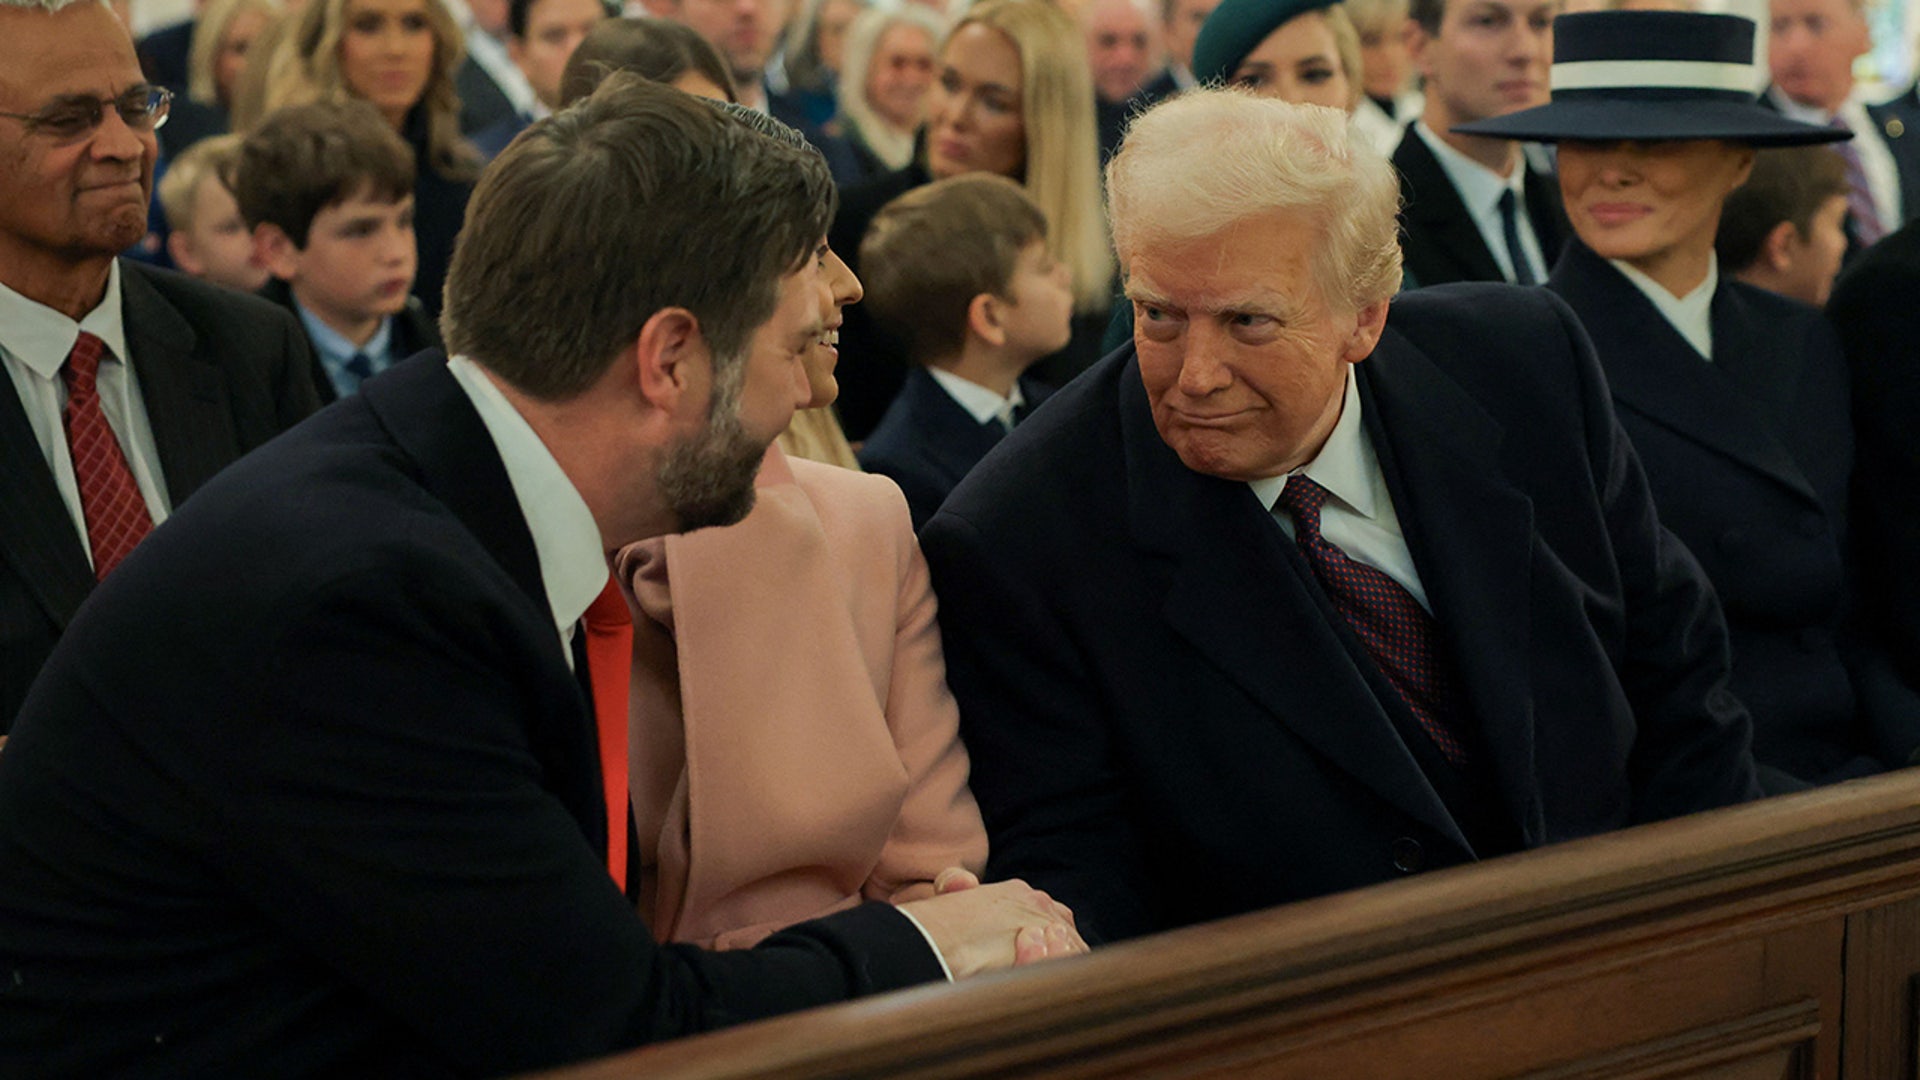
(984, 927)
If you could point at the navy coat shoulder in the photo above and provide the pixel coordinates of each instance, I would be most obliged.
(1166, 718)
(220, 372)
(1750, 458)
(1438, 238)
(413, 332)
(1873, 306)
(927, 442)
(310, 789)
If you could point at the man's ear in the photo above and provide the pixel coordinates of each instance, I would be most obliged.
(1369, 324)
(983, 320)
(1777, 251)
(1417, 40)
(275, 250)
(672, 359)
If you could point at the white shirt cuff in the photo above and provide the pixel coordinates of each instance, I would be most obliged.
(944, 969)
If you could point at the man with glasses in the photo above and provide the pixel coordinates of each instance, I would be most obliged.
(127, 387)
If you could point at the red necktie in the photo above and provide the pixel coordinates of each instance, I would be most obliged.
(1396, 631)
(109, 498)
(609, 648)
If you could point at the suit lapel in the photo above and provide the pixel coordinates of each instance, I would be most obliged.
(186, 396)
(1437, 221)
(1233, 599)
(1470, 532)
(954, 440)
(37, 536)
(1654, 372)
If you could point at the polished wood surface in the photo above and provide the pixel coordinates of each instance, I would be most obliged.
(1779, 939)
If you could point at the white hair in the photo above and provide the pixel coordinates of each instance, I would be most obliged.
(1206, 160)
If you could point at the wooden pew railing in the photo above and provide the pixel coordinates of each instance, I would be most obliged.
(1779, 939)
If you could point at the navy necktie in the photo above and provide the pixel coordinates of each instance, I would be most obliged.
(1510, 225)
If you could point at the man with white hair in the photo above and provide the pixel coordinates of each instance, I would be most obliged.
(1810, 55)
(1296, 593)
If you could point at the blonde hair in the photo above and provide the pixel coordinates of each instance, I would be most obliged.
(209, 30)
(207, 159)
(894, 148)
(1346, 45)
(1063, 144)
(814, 434)
(305, 67)
(1261, 156)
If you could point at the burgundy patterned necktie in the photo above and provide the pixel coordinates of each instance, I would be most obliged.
(1396, 631)
(109, 498)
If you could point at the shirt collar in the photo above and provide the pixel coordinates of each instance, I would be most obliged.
(1692, 314)
(41, 338)
(1346, 464)
(572, 565)
(334, 347)
(981, 403)
(1480, 188)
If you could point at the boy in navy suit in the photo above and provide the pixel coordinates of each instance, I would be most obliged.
(960, 268)
(328, 191)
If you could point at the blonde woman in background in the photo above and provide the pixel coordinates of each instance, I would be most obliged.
(1013, 96)
(884, 82)
(400, 56)
(1389, 98)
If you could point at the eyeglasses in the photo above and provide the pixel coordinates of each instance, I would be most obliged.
(143, 108)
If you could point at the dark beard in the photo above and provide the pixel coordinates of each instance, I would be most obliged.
(707, 481)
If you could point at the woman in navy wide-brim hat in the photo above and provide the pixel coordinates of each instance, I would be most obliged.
(1736, 399)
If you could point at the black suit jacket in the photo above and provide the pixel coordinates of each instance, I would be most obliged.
(1749, 458)
(1439, 242)
(220, 373)
(310, 789)
(1899, 124)
(413, 332)
(482, 102)
(164, 53)
(1873, 306)
(927, 442)
(1169, 723)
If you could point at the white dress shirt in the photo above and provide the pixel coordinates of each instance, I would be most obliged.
(1691, 314)
(1359, 519)
(981, 403)
(1480, 189)
(573, 566)
(1876, 160)
(34, 342)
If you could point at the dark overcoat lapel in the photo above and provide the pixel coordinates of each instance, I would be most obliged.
(1231, 596)
(1470, 531)
(1654, 372)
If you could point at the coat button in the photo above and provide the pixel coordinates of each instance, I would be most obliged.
(1408, 855)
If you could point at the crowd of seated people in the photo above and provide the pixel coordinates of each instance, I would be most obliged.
(503, 488)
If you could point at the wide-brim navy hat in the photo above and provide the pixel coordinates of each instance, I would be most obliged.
(1653, 76)
(1235, 28)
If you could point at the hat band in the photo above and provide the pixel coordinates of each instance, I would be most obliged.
(1653, 75)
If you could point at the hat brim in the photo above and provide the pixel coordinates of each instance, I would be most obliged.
(1653, 121)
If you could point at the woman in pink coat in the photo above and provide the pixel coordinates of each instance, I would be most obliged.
(794, 748)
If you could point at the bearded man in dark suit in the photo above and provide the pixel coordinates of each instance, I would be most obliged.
(314, 785)
(128, 387)
(1295, 595)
